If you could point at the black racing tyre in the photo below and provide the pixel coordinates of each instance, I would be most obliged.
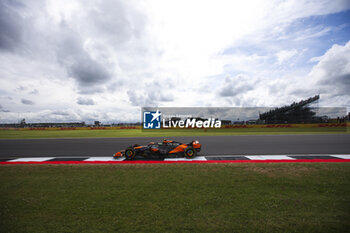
(129, 153)
(190, 152)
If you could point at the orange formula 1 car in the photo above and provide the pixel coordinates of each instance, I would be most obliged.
(167, 148)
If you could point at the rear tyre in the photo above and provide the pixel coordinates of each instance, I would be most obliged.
(130, 153)
(190, 152)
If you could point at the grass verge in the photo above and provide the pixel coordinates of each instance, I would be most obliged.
(16, 134)
(175, 198)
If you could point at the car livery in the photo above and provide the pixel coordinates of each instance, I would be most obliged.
(166, 148)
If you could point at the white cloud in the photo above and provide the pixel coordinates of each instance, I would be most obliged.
(234, 86)
(332, 75)
(103, 59)
(27, 102)
(85, 101)
(285, 55)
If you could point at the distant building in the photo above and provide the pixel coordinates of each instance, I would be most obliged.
(226, 122)
(43, 125)
(295, 113)
(251, 122)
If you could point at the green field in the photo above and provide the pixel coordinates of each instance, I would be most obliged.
(303, 197)
(14, 134)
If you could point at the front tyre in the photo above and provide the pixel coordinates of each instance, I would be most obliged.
(190, 152)
(130, 153)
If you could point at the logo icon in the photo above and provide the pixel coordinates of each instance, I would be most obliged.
(151, 120)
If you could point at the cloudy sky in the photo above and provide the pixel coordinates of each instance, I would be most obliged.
(104, 60)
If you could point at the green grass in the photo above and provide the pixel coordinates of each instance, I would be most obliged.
(299, 197)
(14, 134)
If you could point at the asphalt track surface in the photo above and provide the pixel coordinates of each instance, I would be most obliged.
(211, 145)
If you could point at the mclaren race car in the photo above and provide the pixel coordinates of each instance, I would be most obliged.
(166, 148)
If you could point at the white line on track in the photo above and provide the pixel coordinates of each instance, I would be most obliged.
(238, 155)
(268, 157)
(37, 159)
(198, 158)
(104, 159)
(342, 156)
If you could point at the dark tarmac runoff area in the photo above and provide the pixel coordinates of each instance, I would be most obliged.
(211, 145)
